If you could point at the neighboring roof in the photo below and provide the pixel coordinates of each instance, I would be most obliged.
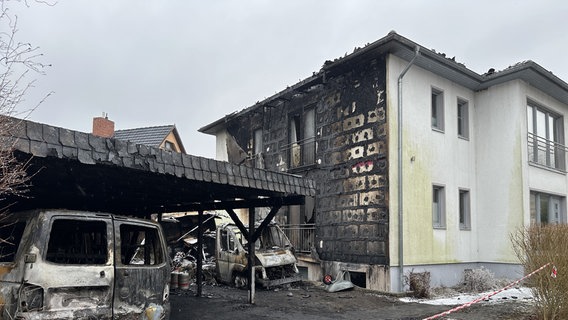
(427, 59)
(150, 136)
(76, 170)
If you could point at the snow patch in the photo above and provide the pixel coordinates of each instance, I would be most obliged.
(515, 294)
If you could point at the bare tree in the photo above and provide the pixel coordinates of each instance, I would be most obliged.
(19, 61)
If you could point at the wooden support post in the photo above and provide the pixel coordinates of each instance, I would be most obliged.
(251, 255)
(199, 275)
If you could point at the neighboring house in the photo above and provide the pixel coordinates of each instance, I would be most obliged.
(482, 155)
(163, 137)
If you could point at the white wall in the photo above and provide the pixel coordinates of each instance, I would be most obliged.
(221, 146)
(501, 137)
(430, 157)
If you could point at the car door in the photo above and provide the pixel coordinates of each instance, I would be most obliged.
(223, 256)
(76, 271)
(142, 271)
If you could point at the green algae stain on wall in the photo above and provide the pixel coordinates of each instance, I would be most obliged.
(515, 215)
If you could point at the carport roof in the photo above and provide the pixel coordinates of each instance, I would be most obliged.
(76, 170)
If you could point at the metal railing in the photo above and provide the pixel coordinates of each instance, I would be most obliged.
(546, 152)
(301, 152)
(301, 236)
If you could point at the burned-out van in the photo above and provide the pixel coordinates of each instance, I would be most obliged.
(275, 261)
(59, 264)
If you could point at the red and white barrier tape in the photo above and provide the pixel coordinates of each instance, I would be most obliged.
(466, 305)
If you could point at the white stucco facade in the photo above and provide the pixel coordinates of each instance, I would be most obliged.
(491, 164)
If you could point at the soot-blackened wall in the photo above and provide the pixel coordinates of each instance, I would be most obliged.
(351, 159)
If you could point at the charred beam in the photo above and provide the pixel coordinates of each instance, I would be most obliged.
(237, 204)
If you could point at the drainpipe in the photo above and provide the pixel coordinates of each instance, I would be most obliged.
(400, 226)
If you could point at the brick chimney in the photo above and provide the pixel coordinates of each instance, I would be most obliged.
(103, 127)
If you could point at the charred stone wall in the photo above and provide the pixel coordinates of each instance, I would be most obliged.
(350, 167)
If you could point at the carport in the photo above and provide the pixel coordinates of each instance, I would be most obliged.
(76, 170)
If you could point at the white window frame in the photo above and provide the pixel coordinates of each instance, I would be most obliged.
(545, 137)
(463, 118)
(555, 208)
(437, 109)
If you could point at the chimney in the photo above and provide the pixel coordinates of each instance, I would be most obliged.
(103, 127)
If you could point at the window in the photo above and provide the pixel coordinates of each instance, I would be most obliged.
(545, 138)
(257, 149)
(464, 210)
(140, 245)
(302, 138)
(463, 119)
(78, 242)
(224, 240)
(438, 207)
(170, 146)
(545, 208)
(10, 238)
(437, 109)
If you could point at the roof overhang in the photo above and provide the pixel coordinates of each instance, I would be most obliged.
(437, 63)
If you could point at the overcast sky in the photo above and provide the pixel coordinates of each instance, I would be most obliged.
(189, 62)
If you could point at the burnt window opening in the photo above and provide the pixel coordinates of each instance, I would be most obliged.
(140, 245)
(258, 145)
(302, 135)
(77, 242)
(232, 244)
(224, 240)
(358, 278)
(10, 238)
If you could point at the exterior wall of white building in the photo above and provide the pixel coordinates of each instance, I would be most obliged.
(431, 157)
(221, 153)
(501, 136)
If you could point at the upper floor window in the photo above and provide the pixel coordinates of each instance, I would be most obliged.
(463, 119)
(302, 133)
(439, 207)
(258, 145)
(437, 109)
(545, 137)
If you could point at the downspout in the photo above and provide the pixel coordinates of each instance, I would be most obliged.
(400, 226)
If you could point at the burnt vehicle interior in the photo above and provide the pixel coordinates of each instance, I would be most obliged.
(10, 237)
(78, 242)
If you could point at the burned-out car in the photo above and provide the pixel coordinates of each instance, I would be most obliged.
(59, 264)
(275, 261)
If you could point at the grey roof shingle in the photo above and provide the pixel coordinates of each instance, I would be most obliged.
(150, 136)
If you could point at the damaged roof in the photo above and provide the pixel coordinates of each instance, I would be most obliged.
(438, 63)
(76, 170)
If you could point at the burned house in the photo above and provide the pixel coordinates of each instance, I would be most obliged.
(421, 163)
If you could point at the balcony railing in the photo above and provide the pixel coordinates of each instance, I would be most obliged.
(546, 152)
(301, 236)
(301, 153)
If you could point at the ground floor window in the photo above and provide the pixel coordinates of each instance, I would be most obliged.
(546, 208)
